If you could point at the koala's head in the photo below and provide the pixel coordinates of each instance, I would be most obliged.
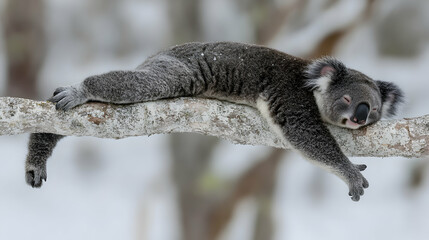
(349, 98)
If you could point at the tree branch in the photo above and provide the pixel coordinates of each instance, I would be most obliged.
(236, 123)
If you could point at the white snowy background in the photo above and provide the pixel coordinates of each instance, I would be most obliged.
(124, 189)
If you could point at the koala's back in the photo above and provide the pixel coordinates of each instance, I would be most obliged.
(228, 70)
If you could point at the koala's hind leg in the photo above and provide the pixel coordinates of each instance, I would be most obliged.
(40, 148)
(159, 77)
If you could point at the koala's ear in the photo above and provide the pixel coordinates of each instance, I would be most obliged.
(391, 97)
(322, 72)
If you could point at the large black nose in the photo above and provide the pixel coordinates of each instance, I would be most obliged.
(361, 113)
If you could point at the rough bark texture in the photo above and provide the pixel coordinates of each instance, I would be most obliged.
(236, 123)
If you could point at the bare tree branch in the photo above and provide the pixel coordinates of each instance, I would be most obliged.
(236, 123)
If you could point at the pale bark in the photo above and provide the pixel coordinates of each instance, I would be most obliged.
(236, 123)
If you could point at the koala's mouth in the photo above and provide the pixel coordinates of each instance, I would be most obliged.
(349, 124)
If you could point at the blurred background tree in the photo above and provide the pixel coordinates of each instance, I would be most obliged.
(25, 46)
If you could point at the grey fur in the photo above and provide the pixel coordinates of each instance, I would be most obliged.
(295, 95)
(40, 148)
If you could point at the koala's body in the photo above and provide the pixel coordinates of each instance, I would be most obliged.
(296, 96)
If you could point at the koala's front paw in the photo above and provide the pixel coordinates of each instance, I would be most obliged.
(66, 98)
(357, 182)
(34, 175)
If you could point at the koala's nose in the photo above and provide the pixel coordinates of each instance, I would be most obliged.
(361, 113)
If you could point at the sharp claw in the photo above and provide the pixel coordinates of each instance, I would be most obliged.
(365, 184)
(35, 178)
(58, 90)
(58, 97)
(361, 167)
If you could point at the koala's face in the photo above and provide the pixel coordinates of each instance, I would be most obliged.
(348, 98)
(352, 102)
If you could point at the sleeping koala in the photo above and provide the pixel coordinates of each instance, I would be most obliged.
(296, 96)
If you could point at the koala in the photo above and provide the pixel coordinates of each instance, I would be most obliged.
(296, 96)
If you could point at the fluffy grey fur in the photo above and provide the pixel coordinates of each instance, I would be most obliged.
(294, 95)
(40, 149)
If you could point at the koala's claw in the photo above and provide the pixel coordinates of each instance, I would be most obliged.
(361, 167)
(66, 98)
(35, 177)
(58, 90)
(357, 183)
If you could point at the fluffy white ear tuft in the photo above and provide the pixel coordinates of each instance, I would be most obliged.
(321, 72)
(319, 84)
(391, 97)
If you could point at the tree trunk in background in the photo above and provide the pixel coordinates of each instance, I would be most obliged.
(25, 46)
(191, 153)
(185, 20)
(258, 182)
(268, 17)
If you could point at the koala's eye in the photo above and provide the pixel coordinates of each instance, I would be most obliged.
(374, 109)
(347, 99)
